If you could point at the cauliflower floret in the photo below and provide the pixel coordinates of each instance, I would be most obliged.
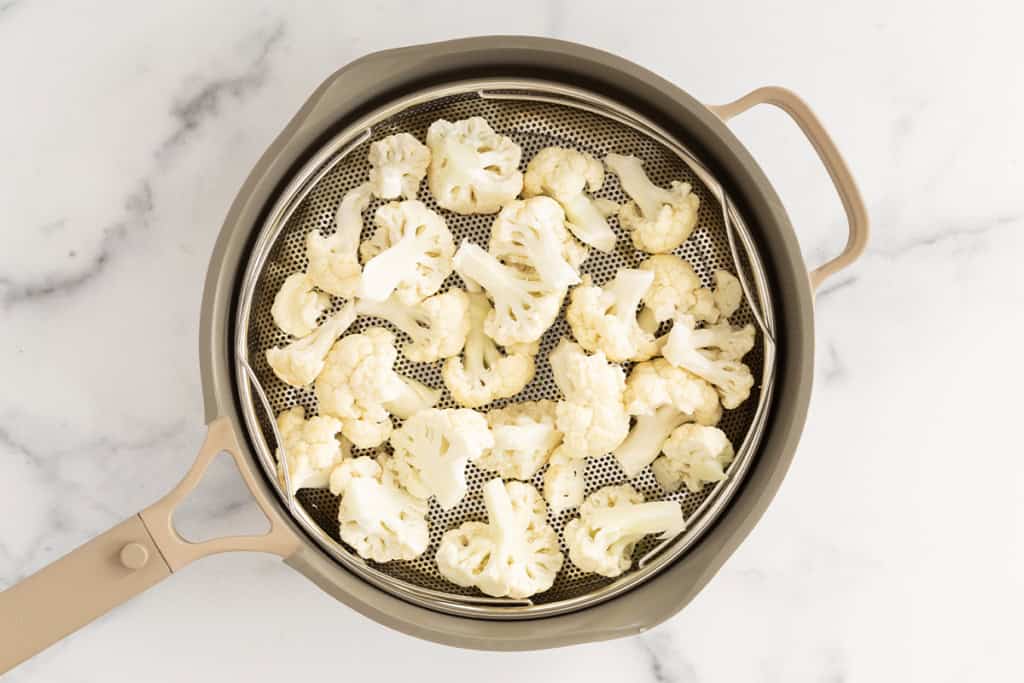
(485, 374)
(564, 482)
(524, 306)
(397, 165)
(410, 253)
(592, 418)
(562, 174)
(524, 437)
(605, 318)
(297, 305)
(377, 518)
(334, 260)
(414, 397)
(299, 363)
(437, 325)
(359, 386)
(694, 455)
(532, 233)
(728, 293)
(698, 350)
(514, 555)
(472, 168)
(310, 448)
(612, 520)
(432, 448)
(676, 289)
(659, 219)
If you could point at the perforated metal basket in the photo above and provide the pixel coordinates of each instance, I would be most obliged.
(535, 114)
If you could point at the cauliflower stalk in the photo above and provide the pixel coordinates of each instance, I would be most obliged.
(437, 325)
(694, 455)
(410, 253)
(376, 517)
(472, 168)
(592, 418)
(359, 386)
(524, 305)
(484, 373)
(309, 448)
(532, 233)
(397, 165)
(297, 305)
(605, 318)
(299, 363)
(713, 355)
(563, 175)
(612, 521)
(431, 450)
(334, 260)
(660, 219)
(515, 554)
(524, 438)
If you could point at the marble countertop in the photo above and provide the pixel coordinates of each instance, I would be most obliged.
(895, 548)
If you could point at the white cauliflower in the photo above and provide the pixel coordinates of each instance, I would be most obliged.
(380, 520)
(334, 260)
(485, 373)
(663, 397)
(612, 521)
(676, 289)
(605, 318)
(431, 450)
(694, 455)
(409, 254)
(514, 555)
(397, 165)
(532, 233)
(359, 386)
(310, 448)
(563, 174)
(564, 482)
(728, 293)
(524, 437)
(524, 306)
(472, 168)
(699, 352)
(437, 325)
(592, 418)
(659, 219)
(297, 305)
(299, 363)
(414, 397)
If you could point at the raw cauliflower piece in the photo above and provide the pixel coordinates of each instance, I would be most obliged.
(514, 555)
(699, 352)
(297, 305)
(564, 174)
(663, 397)
(694, 455)
(524, 306)
(659, 219)
(485, 373)
(359, 386)
(564, 482)
(612, 521)
(299, 363)
(397, 165)
(310, 448)
(728, 293)
(380, 520)
(532, 233)
(334, 260)
(409, 254)
(524, 438)
(431, 450)
(592, 418)
(437, 325)
(472, 168)
(676, 289)
(605, 318)
(415, 396)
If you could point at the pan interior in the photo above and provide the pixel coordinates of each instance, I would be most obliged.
(535, 117)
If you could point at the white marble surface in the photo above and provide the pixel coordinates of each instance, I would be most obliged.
(894, 550)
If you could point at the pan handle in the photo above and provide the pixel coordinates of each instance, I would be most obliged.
(846, 187)
(126, 560)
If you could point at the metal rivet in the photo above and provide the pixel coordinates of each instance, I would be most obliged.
(134, 556)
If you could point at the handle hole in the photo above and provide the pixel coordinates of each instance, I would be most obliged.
(220, 505)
